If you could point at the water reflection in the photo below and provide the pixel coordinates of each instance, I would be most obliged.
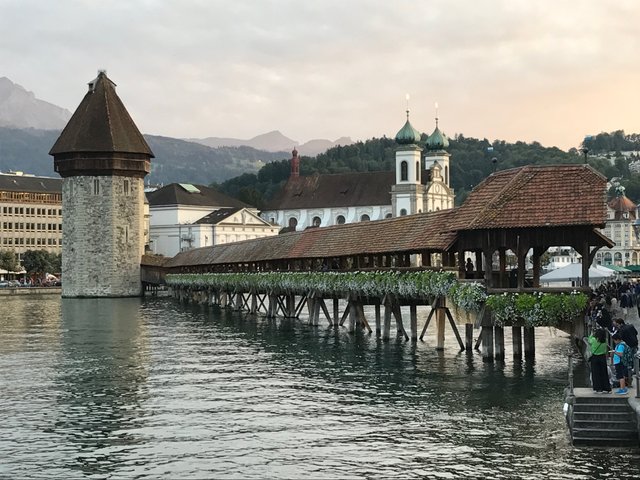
(102, 372)
(155, 389)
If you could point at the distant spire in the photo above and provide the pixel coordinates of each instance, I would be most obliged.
(436, 114)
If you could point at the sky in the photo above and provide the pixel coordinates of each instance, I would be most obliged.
(546, 71)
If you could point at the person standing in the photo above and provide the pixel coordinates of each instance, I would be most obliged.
(599, 371)
(620, 368)
(468, 268)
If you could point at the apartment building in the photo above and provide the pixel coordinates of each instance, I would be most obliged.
(30, 213)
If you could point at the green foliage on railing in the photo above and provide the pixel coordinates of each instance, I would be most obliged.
(425, 284)
(536, 309)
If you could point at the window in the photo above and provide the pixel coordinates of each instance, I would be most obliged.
(388, 215)
(417, 171)
(404, 174)
(446, 174)
(293, 223)
(403, 212)
(126, 187)
(316, 221)
(96, 188)
(340, 220)
(364, 218)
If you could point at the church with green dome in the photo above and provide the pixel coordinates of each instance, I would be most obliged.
(419, 183)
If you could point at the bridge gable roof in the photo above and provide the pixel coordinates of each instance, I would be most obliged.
(535, 196)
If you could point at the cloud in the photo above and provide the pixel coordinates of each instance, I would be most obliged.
(328, 68)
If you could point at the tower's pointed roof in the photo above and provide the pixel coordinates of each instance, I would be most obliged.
(102, 124)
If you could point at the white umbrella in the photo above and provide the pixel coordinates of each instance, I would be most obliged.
(573, 271)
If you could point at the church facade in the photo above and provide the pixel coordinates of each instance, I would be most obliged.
(420, 183)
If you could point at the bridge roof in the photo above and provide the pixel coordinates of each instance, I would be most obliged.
(411, 233)
(535, 196)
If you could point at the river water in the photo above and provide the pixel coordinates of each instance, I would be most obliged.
(150, 388)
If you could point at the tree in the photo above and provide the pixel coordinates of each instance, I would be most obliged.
(9, 260)
(39, 262)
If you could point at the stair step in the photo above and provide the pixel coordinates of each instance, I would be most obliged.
(603, 398)
(605, 433)
(604, 442)
(599, 407)
(599, 424)
(604, 416)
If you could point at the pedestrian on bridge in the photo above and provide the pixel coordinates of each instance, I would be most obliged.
(599, 370)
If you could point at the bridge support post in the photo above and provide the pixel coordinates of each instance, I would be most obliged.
(468, 336)
(386, 330)
(499, 342)
(440, 323)
(413, 312)
(336, 312)
(351, 326)
(529, 342)
(516, 338)
(377, 310)
(487, 343)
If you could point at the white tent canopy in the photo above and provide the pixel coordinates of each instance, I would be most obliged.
(573, 272)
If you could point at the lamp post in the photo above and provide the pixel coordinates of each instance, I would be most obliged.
(585, 152)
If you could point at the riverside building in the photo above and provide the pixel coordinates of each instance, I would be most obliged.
(30, 213)
(186, 216)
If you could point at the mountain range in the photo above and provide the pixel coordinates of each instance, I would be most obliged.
(20, 108)
(30, 126)
(275, 141)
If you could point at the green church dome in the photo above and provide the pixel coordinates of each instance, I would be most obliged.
(437, 140)
(407, 134)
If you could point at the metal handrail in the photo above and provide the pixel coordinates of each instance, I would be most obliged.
(570, 373)
(636, 368)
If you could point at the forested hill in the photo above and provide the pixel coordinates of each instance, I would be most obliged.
(471, 162)
(176, 160)
(617, 141)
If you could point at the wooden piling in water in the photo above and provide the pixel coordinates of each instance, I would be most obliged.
(529, 342)
(377, 310)
(468, 336)
(386, 329)
(440, 323)
(499, 342)
(516, 340)
(413, 314)
(487, 343)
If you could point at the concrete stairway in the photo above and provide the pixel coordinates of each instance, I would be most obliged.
(603, 420)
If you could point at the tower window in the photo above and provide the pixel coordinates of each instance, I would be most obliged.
(404, 174)
(96, 186)
(365, 218)
(417, 171)
(403, 212)
(340, 220)
(316, 221)
(126, 187)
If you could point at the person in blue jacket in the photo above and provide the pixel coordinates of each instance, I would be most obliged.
(620, 368)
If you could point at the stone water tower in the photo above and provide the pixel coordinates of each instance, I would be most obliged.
(103, 159)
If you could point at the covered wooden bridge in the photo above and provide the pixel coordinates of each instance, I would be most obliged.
(517, 210)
